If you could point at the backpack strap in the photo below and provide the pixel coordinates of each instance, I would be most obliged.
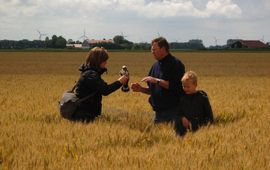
(74, 87)
(86, 97)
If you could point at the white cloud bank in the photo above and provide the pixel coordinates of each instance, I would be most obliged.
(144, 8)
(178, 8)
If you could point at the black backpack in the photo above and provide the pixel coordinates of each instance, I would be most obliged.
(70, 102)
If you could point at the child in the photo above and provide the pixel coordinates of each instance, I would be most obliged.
(194, 107)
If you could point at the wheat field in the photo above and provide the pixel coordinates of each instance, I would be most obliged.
(34, 136)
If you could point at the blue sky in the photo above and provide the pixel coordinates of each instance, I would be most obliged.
(213, 21)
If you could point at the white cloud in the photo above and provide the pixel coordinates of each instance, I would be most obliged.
(145, 8)
(165, 9)
(223, 8)
(141, 20)
(266, 3)
(179, 8)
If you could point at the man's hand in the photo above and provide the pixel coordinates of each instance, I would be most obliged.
(150, 79)
(136, 87)
(153, 80)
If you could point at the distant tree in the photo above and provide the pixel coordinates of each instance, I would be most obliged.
(118, 39)
(141, 46)
(60, 42)
(22, 44)
(55, 42)
(54, 39)
(38, 44)
(191, 44)
(47, 42)
(70, 41)
(7, 44)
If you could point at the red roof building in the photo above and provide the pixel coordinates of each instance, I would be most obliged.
(248, 44)
(88, 43)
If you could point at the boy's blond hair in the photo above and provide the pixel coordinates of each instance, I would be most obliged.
(190, 76)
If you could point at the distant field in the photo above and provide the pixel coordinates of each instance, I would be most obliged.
(34, 136)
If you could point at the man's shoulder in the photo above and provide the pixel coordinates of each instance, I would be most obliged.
(175, 60)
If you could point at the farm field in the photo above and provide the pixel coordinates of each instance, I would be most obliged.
(34, 136)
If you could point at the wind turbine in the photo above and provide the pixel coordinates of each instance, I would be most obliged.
(40, 34)
(262, 39)
(83, 36)
(123, 35)
(215, 40)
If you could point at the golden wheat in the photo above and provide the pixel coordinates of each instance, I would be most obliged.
(34, 136)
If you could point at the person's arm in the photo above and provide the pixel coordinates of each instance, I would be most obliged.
(184, 120)
(174, 77)
(136, 87)
(106, 89)
(163, 83)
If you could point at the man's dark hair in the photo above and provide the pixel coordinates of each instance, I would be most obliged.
(162, 42)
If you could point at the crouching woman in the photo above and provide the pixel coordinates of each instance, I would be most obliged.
(91, 83)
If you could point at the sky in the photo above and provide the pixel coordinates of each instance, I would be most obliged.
(213, 21)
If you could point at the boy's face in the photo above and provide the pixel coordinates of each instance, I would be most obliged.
(189, 87)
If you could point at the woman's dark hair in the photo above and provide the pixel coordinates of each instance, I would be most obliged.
(96, 56)
(162, 42)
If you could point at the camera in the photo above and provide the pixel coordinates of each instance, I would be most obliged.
(124, 71)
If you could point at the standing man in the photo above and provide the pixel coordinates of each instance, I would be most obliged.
(164, 82)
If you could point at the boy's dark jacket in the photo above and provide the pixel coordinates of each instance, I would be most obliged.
(196, 108)
(91, 82)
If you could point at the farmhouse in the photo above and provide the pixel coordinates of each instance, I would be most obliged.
(89, 43)
(247, 44)
(75, 45)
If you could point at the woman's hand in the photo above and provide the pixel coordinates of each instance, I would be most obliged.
(123, 79)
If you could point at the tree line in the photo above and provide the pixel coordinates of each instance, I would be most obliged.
(54, 42)
(119, 42)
